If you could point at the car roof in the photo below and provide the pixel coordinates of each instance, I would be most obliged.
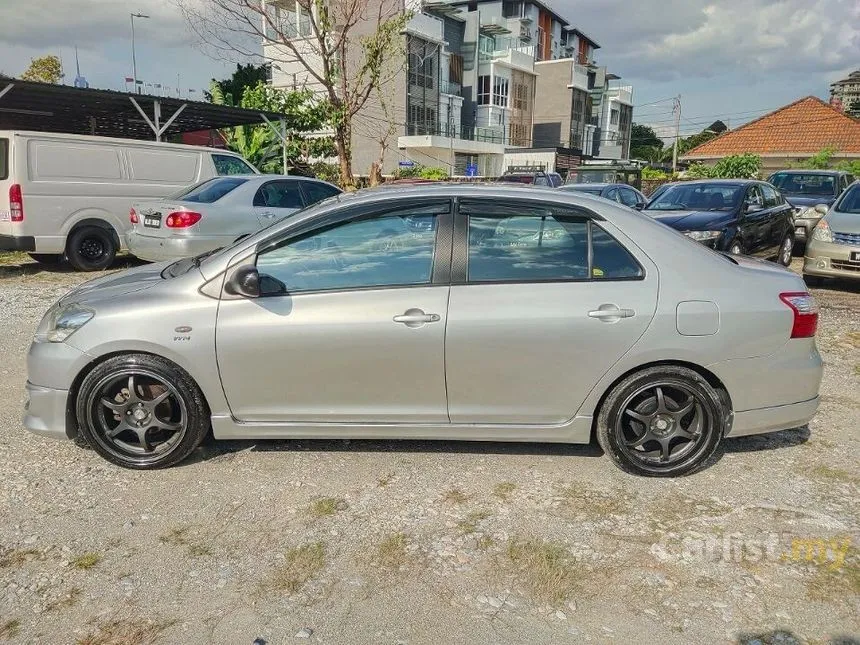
(809, 171)
(267, 177)
(594, 184)
(699, 182)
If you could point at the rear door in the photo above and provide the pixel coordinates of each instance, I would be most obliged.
(543, 302)
(778, 221)
(6, 182)
(277, 199)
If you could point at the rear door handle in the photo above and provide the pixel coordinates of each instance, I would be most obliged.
(268, 214)
(611, 312)
(415, 318)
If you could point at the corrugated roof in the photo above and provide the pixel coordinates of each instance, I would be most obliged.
(805, 126)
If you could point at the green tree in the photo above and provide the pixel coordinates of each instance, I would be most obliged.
(349, 49)
(245, 76)
(46, 69)
(643, 141)
(304, 114)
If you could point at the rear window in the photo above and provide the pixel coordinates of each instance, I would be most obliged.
(4, 158)
(517, 179)
(584, 188)
(210, 191)
(317, 192)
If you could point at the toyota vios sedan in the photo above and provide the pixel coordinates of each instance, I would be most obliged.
(435, 312)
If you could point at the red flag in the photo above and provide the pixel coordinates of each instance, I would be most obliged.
(128, 79)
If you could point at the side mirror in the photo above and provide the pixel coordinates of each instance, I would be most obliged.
(244, 282)
(639, 206)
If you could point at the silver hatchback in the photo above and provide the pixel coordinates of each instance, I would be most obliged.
(435, 312)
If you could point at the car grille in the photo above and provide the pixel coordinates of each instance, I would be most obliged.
(846, 238)
(844, 266)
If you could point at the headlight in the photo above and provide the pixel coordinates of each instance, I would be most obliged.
(66, 320)
(703, 236)
(822, 232)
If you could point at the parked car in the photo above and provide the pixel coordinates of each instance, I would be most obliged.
(834, 248)
(67, 195)
(530, 175)
(621, 193)
(811, 193)
(740, 216)
(516, 315)
(217, 212)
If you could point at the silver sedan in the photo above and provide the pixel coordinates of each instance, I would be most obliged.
(435, 312)
(216, 213)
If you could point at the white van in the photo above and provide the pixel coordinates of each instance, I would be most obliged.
(67, 195)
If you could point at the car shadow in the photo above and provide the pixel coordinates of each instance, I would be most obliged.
(769, 441)
(227, 449)
(26, 267)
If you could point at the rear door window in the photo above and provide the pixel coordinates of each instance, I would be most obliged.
(316, 191)
(279, 194)
(4, 158)
(230, 165)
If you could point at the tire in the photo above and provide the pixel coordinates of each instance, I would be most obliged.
(813, 280)
(91, 248)
(736, 248)
(621, 434)
(51, 259)
(786, 250)
(141, 411)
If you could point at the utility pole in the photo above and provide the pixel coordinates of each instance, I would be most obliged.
(677, 110)
(133, 56)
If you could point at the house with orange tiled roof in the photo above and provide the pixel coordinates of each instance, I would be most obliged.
(787, 136)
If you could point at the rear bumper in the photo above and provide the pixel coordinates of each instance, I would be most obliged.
(17, 243)
(45, 411)
(780, 417)
(156, 249)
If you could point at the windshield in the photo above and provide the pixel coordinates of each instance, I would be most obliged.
(700, 197)
(850, 202)
(794, 183)
(210, 191)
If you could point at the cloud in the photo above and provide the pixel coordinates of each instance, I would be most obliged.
(661, 40)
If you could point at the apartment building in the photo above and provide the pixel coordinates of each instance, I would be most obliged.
(468, 91)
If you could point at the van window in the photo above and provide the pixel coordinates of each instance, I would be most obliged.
(172, 167)
(54, 160)
(229, 165)
(4, 158)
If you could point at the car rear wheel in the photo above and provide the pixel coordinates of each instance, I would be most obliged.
(91, 248)
(785, 250)
(141, 411)
(662, 421)
(47, 258)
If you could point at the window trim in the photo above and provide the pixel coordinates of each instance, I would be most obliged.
(440, 271)
(460, 255)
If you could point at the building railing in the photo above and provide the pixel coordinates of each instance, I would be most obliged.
(449, 87)
(465, 132)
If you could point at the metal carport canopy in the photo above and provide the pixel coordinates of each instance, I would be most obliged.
(42, 107)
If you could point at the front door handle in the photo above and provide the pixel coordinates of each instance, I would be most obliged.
(415, 318)
(611, 313)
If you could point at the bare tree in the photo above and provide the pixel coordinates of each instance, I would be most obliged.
(346, 49)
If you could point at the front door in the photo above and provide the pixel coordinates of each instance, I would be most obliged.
(546, 303)
(754, 223)
(359, 337)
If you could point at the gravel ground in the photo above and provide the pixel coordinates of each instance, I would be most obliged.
(420, 542)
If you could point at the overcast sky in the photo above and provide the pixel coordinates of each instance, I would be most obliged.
(728, 59)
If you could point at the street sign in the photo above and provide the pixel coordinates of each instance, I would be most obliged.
(472, 170)
(406, 164)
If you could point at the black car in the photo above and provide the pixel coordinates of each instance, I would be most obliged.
(621, 193)
(740, 216)
(811, 193)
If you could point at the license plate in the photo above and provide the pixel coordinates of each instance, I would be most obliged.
(152, 222)
(854, 257)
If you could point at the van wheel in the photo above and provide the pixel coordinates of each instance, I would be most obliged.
(47, 258)
(91, 248)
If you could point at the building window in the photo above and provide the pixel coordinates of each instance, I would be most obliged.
(579, 117)
(421, 72)
(512, 9)
(521, 96)
(483, 90)
(613, 116)
(500, 91)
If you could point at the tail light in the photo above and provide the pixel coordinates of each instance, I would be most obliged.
(182, 219)
(805, 311)
(132, 216)
(16, 203)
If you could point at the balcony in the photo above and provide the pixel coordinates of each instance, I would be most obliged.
(449, 87)
(621, 93)
(579, 76)
(427, 27)
(494, 25)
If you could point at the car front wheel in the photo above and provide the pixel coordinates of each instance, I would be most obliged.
(141, 411)
(785, 250)
(662, 421)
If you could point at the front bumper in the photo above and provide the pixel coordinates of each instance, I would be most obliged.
(45, 412)
(829, 260)
(157, 249)
(780, 417)
(803, 228)
(17, 243)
